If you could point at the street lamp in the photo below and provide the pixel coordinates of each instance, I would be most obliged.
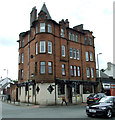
(7, 72)
(99, 69)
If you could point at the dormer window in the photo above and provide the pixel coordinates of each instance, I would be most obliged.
(62, 32)
(42, 27)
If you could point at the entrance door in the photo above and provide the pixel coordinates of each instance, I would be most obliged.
(16, 94)
(69, 88)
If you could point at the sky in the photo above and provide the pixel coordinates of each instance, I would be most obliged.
(95, 15)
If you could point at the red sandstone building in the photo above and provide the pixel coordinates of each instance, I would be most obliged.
(55, 60)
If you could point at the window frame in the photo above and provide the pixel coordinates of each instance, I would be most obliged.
(75, 71)
(92, 72)
(42, 27)
(78, 71)
(49, 47)
(72, 70)
(91, 56)
(85, 40)
(22, 58)
(88, 72)
(22, 74)
(36, 48)
(90, 41)
(87, 56)
(74, 53)
(63, 50)
(77, 38)
(50, 66)
(62, 33)
(42, 68)
(63, 70)
(49, 27)
(71, 53)
(44, 46)
(78, 54)
(70, 36)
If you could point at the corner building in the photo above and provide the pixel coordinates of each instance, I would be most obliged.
(55, 60)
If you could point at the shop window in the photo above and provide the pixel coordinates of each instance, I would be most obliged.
(61, 89)
(87, 89)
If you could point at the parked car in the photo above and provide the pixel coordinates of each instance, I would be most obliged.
(94, 98)
(105, 107)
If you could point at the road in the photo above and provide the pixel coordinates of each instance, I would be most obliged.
(74, 111)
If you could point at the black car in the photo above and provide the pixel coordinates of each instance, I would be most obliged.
(105, 107)
(94, 98)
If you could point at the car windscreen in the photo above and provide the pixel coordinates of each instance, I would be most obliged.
(105, 100)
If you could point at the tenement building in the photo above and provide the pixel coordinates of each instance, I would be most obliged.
(55, 60)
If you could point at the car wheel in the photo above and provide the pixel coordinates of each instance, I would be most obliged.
(89, 115)
(109, 113)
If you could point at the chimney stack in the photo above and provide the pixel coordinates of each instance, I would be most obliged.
(33, 15)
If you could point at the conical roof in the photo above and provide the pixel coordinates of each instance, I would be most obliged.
(44, 9)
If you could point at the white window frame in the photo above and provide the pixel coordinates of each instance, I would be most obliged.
(77, 38)
(90, 41)
(42, 27)
(63, 69)
(42, 67)
(87, 55)
(91, 56)
(49, 67)
(44, 47)
(36, 29)
(78, 71)
(71, 70)
(75, 71)
(88, 72)
(62, 32)
(71, 53)
(78, 56)
(74, 53)
(49, 28)
(92, 73)
(36, 48)
(63, 50)
(73, 37)
(22, 74)
(69, 35)
(22, 58)
(49, 47)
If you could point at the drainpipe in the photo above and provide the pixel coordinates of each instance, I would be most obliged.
(28, 63)
(54, 65)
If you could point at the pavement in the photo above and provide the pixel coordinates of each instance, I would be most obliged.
(38, 106)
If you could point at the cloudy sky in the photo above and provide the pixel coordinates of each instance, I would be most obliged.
(96, 15)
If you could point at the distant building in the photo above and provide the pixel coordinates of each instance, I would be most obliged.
(110, 70)
(4, 84)
(55, 60)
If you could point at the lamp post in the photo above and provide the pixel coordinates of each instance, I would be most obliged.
(99, 69)
(7, 72)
